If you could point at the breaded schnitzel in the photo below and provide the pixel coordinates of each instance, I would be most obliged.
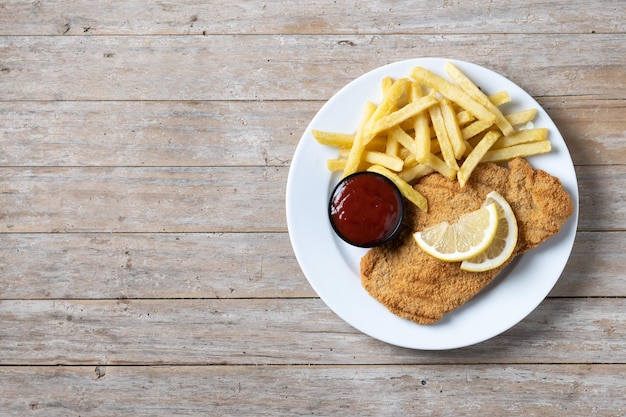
(421, 288)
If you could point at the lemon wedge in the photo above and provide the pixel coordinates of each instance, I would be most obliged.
(469, 236)
(504, 241)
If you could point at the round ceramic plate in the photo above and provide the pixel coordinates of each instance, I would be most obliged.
(332, 266)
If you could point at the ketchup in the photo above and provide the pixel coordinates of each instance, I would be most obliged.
(366, 209)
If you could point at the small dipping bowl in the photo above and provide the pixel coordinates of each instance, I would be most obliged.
(366, 209)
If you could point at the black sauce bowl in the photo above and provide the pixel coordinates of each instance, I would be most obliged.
(366, 209)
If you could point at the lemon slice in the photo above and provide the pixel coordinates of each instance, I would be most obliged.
(503, 243)
(466, 238)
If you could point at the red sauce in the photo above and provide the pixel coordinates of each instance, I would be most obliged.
(366, 209)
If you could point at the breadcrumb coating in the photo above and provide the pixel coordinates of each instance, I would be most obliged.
(421, 288)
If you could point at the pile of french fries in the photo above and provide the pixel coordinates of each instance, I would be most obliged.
(427, 123)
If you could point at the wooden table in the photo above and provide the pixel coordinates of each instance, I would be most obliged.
(145, 265)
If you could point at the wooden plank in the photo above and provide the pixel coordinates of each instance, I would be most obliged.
(146, 133)
(164, 133)
(597, 210)
(190, 68)
(281, 331)
(145, 267)
(161, 265)
(223, 265)
(595, 131)
(538, 390)
(95, 199)
(57, 200)
(595, 267)
(61, 17)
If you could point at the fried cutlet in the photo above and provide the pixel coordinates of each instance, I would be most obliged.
(421, 288)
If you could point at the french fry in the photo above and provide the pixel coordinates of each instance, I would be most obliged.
(452, 128)
(440, 166)
(422, 138)
(390, 99)
(358, 146)
(404, 153)
(410, 161)
(392, 146)
(337, 164)
(434, 146)
(399, 135)
(415, 172)
(421, 128)
(474, 92)
(452, 92)
(476, 155)
(343, 153)
(442, 136)
(386, 84)
(449, 129)
(377, 145)
(388, 161)
(464, 117)
(500, 98)
(517, 151)
(399, 116)
(521, 136)
(405, 188)
(474, 129)
(337, 140)
(521, 117)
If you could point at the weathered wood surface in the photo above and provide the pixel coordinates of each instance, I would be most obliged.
(233, 133)
(157, 199)
(60, 17)
(295, 67)
(281, 331)
(192, 199)
(145, 264)
(442, 390)
(153, 265)
(239, 265)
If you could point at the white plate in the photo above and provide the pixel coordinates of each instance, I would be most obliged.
(332, 266)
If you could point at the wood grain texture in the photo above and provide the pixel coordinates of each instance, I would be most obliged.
(78, 199)
(436, 390)
(222, 265)
(151, 133)
(145, 263)
(536, 390)
(595, 267)
(233, 133)
(283, 331)
(184, 199)
(61, 17)
(158, 265)
(298, 67)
